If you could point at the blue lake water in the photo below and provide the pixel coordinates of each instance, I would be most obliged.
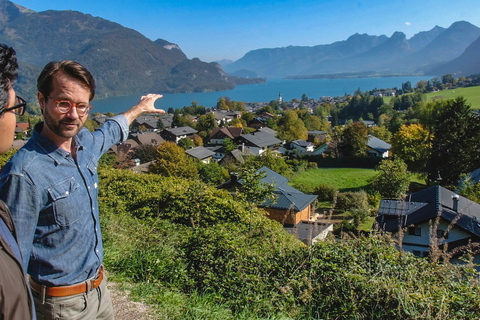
(263, 92)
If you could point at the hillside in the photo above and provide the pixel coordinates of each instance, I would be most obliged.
(363, 54)
(122, 60)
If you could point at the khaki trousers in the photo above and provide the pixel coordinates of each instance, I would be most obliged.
(94, 305)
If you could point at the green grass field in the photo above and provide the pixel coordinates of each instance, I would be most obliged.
(345, 179)
(471, 94)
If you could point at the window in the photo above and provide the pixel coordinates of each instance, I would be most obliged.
(442, 234)
(414, 231)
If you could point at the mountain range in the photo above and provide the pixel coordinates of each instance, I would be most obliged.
(435, 52)
(122, 60)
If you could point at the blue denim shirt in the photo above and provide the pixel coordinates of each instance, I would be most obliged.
(54, 203)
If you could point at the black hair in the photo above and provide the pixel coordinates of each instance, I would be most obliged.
(8, 73)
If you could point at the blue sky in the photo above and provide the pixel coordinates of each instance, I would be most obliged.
(223, 29)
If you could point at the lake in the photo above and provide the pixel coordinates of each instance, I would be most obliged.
(263, 92)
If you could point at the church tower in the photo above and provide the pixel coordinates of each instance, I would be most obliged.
(280, 99)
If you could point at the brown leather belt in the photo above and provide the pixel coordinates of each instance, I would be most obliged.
(65, 291)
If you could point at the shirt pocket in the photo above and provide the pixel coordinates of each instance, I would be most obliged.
(66, 202)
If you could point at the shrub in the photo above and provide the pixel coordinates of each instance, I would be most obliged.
(352, 200)
(325, 192)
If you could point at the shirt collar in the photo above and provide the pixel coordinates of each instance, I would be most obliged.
(57, 154)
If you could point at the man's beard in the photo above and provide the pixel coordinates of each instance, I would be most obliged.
(59, 127)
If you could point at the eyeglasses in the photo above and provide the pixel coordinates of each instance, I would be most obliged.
(64, 106)
(19, 108)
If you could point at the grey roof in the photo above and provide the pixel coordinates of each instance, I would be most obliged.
(200, 152)
(181, 131)
(268, 130)
(240, 155)
(302, 143)
(378, 144)
(287, 196)
(261, 139)
(426, 205)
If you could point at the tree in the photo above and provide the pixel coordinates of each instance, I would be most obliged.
(353, 141)
(206, 122)
(412, 144)
(228, 145)
(172, 161)
(455, 147)
(393, 180)
(291, 128)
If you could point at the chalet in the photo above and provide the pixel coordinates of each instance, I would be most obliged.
(377, 147)
(200, 153)
(259, 141)
(148, 138)
(456, 220)
(290, 207)
(177, 133)
(218, 135)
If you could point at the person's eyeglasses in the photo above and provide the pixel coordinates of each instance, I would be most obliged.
(19, 108)
(64, 106)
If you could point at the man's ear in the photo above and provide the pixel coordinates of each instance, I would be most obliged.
(41, 100)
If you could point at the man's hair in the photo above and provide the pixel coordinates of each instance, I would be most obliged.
(8, 74)
(70, 68)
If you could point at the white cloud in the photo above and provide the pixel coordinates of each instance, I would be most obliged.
(408, 23)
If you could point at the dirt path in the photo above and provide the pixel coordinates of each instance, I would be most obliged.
(125, 309)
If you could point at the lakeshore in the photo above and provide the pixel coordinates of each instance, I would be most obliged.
(263, 92)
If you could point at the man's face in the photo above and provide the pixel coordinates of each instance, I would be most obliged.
(7, 124)
(61, 127)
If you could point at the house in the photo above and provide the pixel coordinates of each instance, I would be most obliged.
(237, 155)
(218, 150)
(385, 93)
(201, 153)
(310, 232)
(290, 207)
(147, 123)
(260, 141)
(268, 130)
(320, 135)
(458, 220)
(148, 138)
(377, 148)
(218, 135)
(22, 127)
(177, 133)
(302, 146)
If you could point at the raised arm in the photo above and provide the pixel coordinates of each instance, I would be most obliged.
(145, 105)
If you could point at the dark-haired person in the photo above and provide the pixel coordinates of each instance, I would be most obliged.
(51, 186)
(15, 300)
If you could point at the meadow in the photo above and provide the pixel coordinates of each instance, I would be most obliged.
(471, 94)
(344, 179)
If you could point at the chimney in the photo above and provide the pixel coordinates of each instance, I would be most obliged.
(233, 177)
(455, 198)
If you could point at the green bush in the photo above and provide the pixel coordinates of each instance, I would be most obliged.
(352, 200)
(234, 263)
(325, 192)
